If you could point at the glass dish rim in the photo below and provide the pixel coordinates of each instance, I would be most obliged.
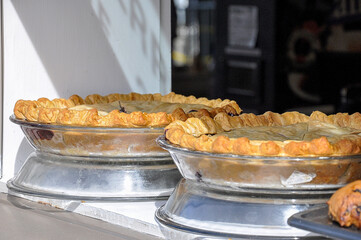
(167, 145)
(25, 123)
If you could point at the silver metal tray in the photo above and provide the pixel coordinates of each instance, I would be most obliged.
(94, 178)
(92, 141)
(260, 172)
(197, 209)
(316, 220)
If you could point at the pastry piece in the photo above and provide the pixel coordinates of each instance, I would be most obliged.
(121, 110)
(345, 205)
(270, 134)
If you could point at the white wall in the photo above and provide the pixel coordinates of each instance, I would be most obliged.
(58, 48)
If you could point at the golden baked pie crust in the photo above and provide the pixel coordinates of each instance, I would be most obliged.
(61, 111)
(338, 134)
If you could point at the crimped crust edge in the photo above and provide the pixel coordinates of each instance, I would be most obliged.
(195, 134)
(57, 111)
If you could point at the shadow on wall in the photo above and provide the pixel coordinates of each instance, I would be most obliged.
(85, 50)
(77, 45)
(22, 155)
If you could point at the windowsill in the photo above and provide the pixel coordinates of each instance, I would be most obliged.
(137, 215)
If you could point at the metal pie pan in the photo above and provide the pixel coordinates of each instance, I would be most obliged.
(197, 210)
(94, 178)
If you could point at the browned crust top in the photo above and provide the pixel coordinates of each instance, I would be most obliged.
(57, 111)
(197, 134)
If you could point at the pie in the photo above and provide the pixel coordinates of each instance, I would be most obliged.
(344, 206)
(121, 110)
(270, 134)
(272, 150)
(120, 124)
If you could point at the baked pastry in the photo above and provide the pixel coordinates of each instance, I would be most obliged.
(289, 150)
(136, 120)
(270, 134)
(344, 206)
(121, 110)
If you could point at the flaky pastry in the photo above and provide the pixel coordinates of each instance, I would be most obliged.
(121, 110)
(270, 134)
(344, 206)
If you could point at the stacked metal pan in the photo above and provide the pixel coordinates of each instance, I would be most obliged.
(94, 163)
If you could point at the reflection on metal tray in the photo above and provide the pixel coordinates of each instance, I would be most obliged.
(24, 219)
(95, 178)
(92, 141)
(316, 220)
(197, 209)
(283, 173)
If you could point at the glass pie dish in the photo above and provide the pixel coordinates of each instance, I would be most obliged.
(92, 141)
(237, 172)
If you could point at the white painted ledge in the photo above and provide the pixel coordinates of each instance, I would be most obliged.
(137, 216)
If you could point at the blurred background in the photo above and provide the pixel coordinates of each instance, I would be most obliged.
(277, 55)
